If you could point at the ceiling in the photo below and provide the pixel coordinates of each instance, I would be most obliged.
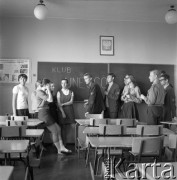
(112, 10)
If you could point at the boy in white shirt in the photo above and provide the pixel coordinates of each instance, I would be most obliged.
(20, 97)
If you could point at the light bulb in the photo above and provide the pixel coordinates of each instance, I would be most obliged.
(40, 11)
(171, 16)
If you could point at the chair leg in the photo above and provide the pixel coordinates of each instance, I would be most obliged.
(31, 173)
(78, 152)
(95, 164)
(98, 163)
(87, 156)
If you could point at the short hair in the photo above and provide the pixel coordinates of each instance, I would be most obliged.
(45, 81)
(88, 74)
(24, 76)
(132, 78)
(165, 76)
(111, 74)
(162, 72)
(156, 72)
(38, 82)
(65, 79)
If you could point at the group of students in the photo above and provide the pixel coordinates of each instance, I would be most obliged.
(44, 106)
(160, 98)
(58, 111)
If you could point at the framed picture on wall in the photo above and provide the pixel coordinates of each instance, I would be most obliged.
(107, 45)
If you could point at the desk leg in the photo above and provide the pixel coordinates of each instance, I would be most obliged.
(5, 161)
(87, 156)
(76, 135)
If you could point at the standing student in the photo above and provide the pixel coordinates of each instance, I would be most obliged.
(111, 92)
(95, 104)
(44, 97)
(130, 97)
(65, 99)
(169, 108)
(53, 105)
(34, 100)
(154, 99)
(20, 97)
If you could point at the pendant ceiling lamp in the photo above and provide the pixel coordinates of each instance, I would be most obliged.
(40, 11)
(171, 16)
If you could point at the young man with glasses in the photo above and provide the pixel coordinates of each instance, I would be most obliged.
(169, 108)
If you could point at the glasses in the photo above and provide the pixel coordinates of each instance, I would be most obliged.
(161, 79)
(126, 77)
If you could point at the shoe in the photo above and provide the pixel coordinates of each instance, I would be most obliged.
(60, 153)
(66, 151)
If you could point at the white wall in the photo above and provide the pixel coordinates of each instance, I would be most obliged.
(78, 41)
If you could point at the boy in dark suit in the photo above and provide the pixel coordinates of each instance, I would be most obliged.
(112, 92)
(169, 107)
(95, 104)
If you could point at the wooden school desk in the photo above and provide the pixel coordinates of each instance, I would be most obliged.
(34, 122)
(169, 122)
(34, 133)
(13, 146)
(83, 122)
(6, 172)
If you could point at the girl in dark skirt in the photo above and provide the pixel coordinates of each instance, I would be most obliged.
(130, 96)
(65, 99)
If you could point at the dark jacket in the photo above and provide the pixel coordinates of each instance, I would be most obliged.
(169, 108)
(113, 96)
(95, 100)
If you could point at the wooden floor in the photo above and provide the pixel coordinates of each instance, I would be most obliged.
(53, 166)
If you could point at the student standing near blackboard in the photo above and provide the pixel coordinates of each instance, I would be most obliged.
(65, 98)
(111, 92)
(130, 96)
(169, 107)
(154, 99)
(95, 104)
(20, 97)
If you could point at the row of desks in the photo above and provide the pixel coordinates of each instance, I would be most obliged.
(116, 142)
(129, 131)
(86, 122)
(18, 146)
(29, 122)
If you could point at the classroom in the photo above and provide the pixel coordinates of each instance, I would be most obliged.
(67, 44)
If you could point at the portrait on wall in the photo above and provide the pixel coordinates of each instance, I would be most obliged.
(107, 45)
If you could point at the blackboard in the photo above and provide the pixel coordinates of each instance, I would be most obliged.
(55, 71)
(140, 72)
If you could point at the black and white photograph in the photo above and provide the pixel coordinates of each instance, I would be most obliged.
(88, 89)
